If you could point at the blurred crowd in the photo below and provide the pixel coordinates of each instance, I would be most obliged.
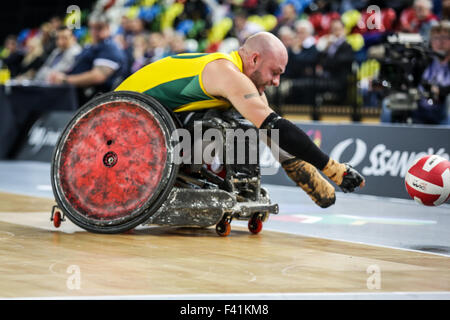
(117, 37)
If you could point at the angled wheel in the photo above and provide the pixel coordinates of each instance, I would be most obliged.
(223, 228)
(255, 224)
(112, 167)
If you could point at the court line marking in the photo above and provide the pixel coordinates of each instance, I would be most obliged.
(274, 229)
(44, 187)
(382, 219)
(363, 243)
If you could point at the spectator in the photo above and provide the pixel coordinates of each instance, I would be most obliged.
(158, 46)
(124, 34)
(14, 56)
(62, 58)
(435, 85)
(287, 36)
(244, 28)
(337, 56)
(177, 44)
(288, 17)
(100, 66)
(436, 79)
(48, 39)
(419, 18)
(445, 9)
(124, 39)
(335, 62)
(55, 23)
(303, 55)
(137, 27)
(33, 59)
(302, 60)
(321, 17)
(140, 52)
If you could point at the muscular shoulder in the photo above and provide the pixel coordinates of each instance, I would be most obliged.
(219, 66)
(219, 75)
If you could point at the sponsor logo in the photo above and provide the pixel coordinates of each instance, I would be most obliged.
(358, 156)
(40, 136)
(422, 186)
(383, 161)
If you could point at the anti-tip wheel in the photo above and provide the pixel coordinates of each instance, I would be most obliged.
(255, 224)
(223, 228)
(57, 219)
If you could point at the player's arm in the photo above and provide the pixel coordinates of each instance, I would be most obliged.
(222, 79)
(225, 80)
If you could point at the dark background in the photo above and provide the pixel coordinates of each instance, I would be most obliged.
(16, 15)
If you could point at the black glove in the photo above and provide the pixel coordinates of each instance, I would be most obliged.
(351, 180)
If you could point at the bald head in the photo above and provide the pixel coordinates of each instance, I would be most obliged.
(266, 44)
(264, 59)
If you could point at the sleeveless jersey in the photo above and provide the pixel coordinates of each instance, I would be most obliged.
(176, 81)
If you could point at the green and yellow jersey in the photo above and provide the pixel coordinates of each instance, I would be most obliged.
(176, 81)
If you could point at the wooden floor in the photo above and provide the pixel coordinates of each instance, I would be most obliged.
(37, 260)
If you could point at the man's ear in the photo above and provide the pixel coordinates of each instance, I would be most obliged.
(255, 58)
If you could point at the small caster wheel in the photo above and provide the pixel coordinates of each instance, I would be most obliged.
(57, 219)
(223, 228)
(255, 224)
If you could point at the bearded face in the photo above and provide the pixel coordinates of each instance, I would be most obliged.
(258, 81)
(267, 74)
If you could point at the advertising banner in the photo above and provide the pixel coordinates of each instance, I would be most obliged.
(382, 153)
(43, 136)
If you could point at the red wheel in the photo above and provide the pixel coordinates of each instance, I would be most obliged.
(223, 228)
(57, 219)
(112, 167)
(255, 225)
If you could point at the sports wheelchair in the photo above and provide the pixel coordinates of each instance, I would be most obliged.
(114, 168)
